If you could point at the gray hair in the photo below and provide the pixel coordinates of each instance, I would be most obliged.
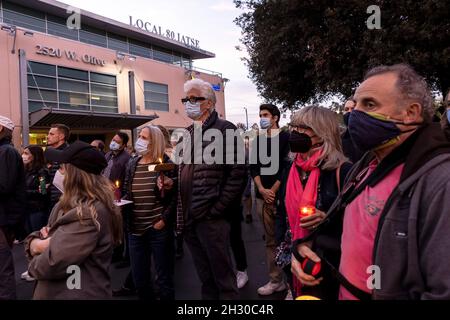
(411, 85)
(325, 124)
(204, 87)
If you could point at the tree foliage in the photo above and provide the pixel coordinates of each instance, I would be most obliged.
(304, 51)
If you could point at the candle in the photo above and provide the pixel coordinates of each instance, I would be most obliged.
(117, 195)
(307, 211)
(161, 176)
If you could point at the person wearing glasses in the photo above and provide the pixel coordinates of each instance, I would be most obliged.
(314, 181)
(209, 194)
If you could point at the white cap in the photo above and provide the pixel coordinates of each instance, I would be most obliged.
(7, 123)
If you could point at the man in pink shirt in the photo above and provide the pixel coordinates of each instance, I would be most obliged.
(395, 203)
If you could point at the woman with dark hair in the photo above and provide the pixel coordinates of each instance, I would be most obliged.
(37, 199)
(37, 180)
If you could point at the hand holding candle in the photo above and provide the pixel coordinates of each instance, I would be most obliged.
(310, 217)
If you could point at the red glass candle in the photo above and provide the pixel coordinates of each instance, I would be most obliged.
(307, 211)
(117, 194)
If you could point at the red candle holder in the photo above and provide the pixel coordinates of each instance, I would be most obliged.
(117, 193)
(307, 211)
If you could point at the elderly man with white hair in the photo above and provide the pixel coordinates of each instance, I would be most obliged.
(12, 197)
(208, 195)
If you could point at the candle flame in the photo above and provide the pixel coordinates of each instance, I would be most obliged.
(117, 183)
(307, 211)
(160, 160)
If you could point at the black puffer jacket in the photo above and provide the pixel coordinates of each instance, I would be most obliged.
(215, 189)
(12, 185)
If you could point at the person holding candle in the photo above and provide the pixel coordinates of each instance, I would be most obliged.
(150, 216)
(316, 175)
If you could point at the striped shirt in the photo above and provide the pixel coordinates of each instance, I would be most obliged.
(147, 209)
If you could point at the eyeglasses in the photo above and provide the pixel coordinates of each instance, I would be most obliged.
(300, 127)
(193, 99)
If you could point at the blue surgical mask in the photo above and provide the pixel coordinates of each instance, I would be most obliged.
(114, 146)
(193, 110)
(448, 115)
(264, 123)
(141, 147)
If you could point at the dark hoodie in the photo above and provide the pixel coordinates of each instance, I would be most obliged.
(12, 185)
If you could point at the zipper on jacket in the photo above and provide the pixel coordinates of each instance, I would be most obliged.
(381, 222)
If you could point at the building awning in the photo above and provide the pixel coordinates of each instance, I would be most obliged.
(45, 117)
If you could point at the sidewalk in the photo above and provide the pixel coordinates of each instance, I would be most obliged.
(187, 285)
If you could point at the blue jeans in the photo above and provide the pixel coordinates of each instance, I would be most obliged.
(159, 244)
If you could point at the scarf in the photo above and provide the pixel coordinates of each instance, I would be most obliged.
(296, 196)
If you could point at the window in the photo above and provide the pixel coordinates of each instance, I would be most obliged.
(93, 36)
(177, 59)
(23, 17)
(48, 23)
(187, 63)
(162, 54)
(140, 49)
(156, 96)
(58, 27)
(68, 88)
(73, 73)
(118, 43)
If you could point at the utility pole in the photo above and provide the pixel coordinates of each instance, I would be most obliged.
(246, 116)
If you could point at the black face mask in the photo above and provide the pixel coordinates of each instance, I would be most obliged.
(299, 142)
(346, 117)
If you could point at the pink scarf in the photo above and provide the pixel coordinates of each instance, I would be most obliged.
(296, 197)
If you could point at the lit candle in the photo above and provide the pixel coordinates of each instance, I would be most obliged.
(307, 211)
(161, 176)
(117, 195)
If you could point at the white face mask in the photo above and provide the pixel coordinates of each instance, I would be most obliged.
(141, 147)
(193, 110)
(58, 181)
(114, 146)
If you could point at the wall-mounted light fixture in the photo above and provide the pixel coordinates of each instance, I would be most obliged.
(28, 33)
(12, 32)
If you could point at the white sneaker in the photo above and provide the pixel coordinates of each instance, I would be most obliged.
(242, 279)
(271, 287)
(26, 276)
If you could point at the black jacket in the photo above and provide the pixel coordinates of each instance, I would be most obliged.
(169, 200)
(12, 185)
(256, 166)
(216, 189)
(36, 201)
(120, 162)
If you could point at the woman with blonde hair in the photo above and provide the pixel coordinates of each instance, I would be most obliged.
(317, 172)
(82, 230)
(150, 218)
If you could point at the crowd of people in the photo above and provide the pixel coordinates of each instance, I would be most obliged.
(366, 192)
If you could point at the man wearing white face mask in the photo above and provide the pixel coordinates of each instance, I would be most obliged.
(208, 195)
(117, 158)
(267, 186)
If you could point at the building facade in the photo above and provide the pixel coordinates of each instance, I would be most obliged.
(97, 78)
